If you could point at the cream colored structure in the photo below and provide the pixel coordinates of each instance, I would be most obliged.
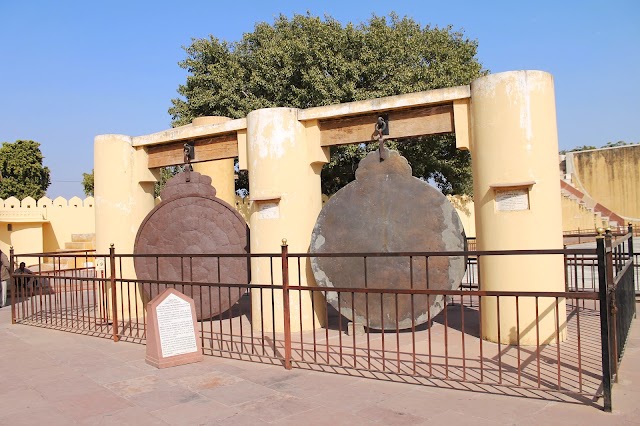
(609, 176)
(515, 184)
(505, 119)
(221, 172)
(284, 161)
(45, 225)
(123, 190)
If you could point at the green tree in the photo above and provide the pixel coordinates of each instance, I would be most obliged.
(87, 183)
(166, 173)
(308, 61)
(616, 144)
(22, 173)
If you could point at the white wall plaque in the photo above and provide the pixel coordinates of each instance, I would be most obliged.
(175, 326)
(510, 200)
(99, 264)
(269, 211)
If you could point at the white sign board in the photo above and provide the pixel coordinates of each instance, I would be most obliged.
(99, 264)
(269, 211)
(512, 200)
(175, 326)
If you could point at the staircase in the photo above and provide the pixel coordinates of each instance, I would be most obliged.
(76, 258)
(603, 216)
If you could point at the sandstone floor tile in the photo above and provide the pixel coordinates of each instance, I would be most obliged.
(91, 403)
(459, 419)
(114, 374)
(310, 384)
(65, 387)
(127, 416)
(197, 412)
(387, 416)
(206, 381)
(237, 393)
(46, 416)
(322, 416)
(275, 407)
(240, 419)
(22, 400)
(137, 385)
(348, 398)
(418, 403)
(163, 397)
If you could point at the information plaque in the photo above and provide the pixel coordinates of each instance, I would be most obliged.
(171, 330)
(269, 211)
(512, 200)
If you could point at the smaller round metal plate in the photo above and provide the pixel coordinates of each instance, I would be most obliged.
(190, 221)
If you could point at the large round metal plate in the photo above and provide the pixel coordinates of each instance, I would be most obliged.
(387, 210)
(188, 222)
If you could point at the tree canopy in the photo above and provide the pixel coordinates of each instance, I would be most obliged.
(87, 184)
(22, 171)
(309, 61)
(591, 147)
(165, 174)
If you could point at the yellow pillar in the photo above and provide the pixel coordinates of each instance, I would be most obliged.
(123, 192)
(284, 160)
(517, 204)
(221, 172)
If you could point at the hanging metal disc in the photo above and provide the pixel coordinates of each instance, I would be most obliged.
(190, 220)
(386, 210)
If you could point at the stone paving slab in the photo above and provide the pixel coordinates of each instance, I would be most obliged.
(58, 378)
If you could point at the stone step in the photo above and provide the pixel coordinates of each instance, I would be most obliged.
(84, 238)
(79, 245)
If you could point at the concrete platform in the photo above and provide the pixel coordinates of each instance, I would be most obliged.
(53, 377)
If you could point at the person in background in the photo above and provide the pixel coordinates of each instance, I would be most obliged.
(23, 281)
(4, 275)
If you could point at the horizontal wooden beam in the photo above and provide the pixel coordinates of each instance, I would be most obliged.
(422, 121)
(206, 149)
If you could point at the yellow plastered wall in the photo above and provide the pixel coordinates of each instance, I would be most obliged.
(611, 177)
(44, 225)
(515, 145)
(576, 216)
(466, 210)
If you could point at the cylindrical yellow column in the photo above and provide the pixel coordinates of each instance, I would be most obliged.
(285, 203)
(221, 172)
(123, 192)
(517, 203)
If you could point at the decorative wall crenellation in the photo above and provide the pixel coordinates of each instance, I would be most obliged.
(46, 202)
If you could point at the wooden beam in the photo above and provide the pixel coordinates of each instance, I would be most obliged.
(206, 149)
(405, 123)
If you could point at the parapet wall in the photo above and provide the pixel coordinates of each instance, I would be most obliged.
(610, 176)
(45, 224)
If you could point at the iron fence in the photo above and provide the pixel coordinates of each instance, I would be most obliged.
(269, 323)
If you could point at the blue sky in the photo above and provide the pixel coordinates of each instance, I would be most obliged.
(70, 70)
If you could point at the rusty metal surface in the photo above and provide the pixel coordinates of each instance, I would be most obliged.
(191, 220)
(386, 209)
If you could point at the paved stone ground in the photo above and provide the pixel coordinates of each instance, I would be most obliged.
(54, 377)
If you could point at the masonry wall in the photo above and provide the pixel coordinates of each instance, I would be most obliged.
(43, 225)
(578, 217)
(610, 176)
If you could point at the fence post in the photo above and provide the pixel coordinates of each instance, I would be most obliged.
(633, 266)
(12, 285)
(613, 310)
(285, 304)
(604, 322)
(114, 293)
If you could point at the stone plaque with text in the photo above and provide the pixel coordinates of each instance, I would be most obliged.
(172, 330)
(516, 199)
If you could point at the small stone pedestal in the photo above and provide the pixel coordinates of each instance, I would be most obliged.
(172, 330)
